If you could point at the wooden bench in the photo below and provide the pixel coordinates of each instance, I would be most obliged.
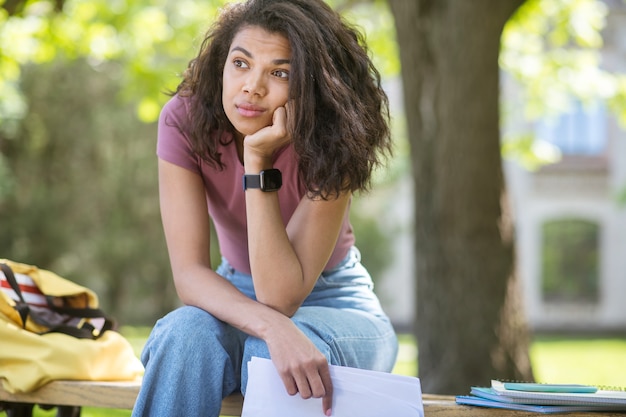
(122, 395)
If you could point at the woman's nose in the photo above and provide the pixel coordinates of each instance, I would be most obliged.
(255, 84)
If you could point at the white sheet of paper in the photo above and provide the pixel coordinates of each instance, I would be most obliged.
(357, 392)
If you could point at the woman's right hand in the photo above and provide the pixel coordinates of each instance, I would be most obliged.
(263, 143)
(301, 366)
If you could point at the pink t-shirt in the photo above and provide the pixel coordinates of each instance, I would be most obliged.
(224, 190)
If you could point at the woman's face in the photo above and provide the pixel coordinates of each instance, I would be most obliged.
(256, 79)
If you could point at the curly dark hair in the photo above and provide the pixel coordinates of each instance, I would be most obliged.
(340, 125)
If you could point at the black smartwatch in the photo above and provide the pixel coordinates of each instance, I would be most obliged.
(268, 180)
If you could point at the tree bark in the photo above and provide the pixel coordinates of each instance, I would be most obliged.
(470, 327)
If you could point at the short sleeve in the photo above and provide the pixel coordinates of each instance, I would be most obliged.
(173, 143)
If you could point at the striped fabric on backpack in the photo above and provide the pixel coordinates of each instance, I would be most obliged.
(31, 293)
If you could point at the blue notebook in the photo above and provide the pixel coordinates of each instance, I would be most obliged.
(545, 398)
(575, 396)
(545, 409)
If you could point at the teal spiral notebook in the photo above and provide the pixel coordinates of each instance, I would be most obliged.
(576, 395)
(546, 398)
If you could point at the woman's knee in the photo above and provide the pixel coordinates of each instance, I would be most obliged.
(350, 337)
(188, 332)
(195, 349)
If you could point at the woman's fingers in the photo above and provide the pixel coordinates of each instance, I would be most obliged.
(270, 138)
(327, 398)
(290, 384)
(301, 366)
(279, 122)
(316, 383)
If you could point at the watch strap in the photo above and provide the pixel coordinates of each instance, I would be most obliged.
(268, 180)
(251, 181)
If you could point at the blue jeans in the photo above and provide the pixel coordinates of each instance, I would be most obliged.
(194, 360)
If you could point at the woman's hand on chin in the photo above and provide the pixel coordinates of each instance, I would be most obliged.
(263, 143)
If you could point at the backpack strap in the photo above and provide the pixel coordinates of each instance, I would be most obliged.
(86, 331)
(21, 306)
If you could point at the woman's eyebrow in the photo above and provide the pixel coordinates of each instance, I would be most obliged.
(242, 50)
(278, 61)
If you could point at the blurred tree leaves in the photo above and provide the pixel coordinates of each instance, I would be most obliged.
(84, 199)
(151, 42)
(552, 49)
(374, 19)
(548, 46)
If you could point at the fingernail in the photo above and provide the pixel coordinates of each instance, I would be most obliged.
(329, 412)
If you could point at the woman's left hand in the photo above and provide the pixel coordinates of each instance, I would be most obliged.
(301, 366)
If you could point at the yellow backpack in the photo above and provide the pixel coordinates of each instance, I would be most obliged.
(51, 328)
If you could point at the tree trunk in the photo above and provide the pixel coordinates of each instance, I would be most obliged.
(470, 326)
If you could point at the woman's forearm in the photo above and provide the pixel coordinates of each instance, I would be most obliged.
(275, 267)
(202, 287)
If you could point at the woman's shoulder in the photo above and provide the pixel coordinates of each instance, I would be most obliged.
(173, 143)
(177, 107)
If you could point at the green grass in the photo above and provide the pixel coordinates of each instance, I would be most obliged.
(594, 361)
(136, 336)
(598, 361)
(583, 360)
(406, 364)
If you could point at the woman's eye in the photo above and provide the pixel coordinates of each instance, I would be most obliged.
(240, 63)
(281, 73)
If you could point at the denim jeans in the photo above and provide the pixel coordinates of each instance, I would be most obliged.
(194, 360)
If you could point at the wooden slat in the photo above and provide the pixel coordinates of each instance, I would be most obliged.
(123, 395)
(231, 405)
(100, 395)
(83, 393)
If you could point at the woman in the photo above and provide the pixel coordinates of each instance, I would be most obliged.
(278, 120)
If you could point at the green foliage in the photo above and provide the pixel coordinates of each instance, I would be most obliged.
(372, 241)
(530, 152)
(552, 49)
(375, 20)
(7, 184)
(550, 46)
(150, 42)
(84, 201)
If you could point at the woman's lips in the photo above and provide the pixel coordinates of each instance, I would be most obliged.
(249, 110)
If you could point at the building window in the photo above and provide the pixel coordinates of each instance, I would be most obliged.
(571, 259)
(581, 131)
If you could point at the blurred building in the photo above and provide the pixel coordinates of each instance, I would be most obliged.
(571, 225)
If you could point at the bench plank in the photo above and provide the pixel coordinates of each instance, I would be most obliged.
(99, 394)
(80, 393)
(123, 395)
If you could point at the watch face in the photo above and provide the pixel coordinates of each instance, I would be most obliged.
(271, 180)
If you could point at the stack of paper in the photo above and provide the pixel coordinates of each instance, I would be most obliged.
(545, 398)
(356, 392)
